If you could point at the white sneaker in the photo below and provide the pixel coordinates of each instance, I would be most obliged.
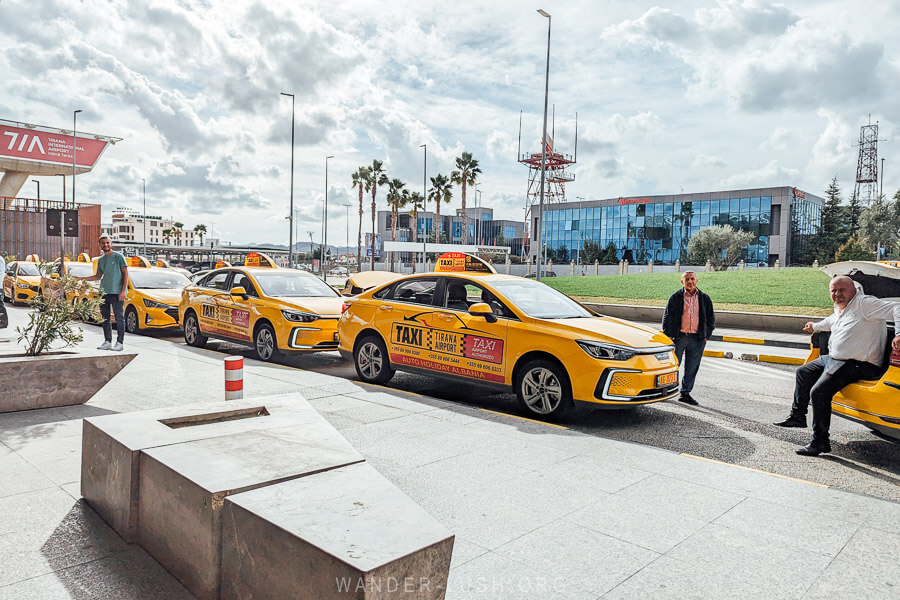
(117, 347)
(104, 346)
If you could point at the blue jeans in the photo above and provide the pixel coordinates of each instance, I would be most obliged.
(689, 347)
(118, 309)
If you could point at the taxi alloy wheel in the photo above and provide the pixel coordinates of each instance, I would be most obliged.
(264, 342)
(543, 388)
(371, 360)
(192, 334)
(131, 320)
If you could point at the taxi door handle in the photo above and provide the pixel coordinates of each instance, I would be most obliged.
(384, 307)
(446, 317)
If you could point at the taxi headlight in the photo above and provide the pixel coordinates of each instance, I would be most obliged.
(155, 304)
(24, 286)
(606, 351)
(299, 317)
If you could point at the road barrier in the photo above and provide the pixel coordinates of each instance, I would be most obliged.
(234, 377)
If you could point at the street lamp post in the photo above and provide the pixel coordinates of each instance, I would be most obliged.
(144, 219)
(424, 209)
(325, 219)
(347, 238)
(580, 230)
(38, 184)
(542, 248)
(291, 213)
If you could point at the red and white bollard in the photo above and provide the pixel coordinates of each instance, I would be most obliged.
(234, 377)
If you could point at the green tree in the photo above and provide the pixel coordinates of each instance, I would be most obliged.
(396, 200)
(466, 172)
(833, 230)
(440, 192)
(177, 229)
(590, 252)
(721, 245)
(200, 230)
(562, 255)
(610, 256)
(167, 234)
(375, 177)
(854, 212)
(879, 222)
(853, 249)
(359, 181)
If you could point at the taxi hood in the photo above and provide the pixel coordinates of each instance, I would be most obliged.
(31, 279)
(323, 305)
(616, 331)
(172, 297)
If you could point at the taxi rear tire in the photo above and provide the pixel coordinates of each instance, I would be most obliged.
(131, 320)
(192, 334)
(543, 388)
(265, 343)
(370, 357)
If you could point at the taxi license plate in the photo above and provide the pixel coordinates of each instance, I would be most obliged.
(667, 379)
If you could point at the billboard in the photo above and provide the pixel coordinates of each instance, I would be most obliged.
(20, 143)
(368, 245)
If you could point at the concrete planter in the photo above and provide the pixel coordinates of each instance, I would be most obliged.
(58, 378)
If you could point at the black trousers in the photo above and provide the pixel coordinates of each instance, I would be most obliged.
(817, 382)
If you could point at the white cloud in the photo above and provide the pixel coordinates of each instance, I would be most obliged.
(770, 174)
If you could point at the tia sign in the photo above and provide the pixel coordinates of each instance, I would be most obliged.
(47, 147)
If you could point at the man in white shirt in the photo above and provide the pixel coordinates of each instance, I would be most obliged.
(858, 329)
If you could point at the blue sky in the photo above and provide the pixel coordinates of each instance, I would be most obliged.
(692, 96)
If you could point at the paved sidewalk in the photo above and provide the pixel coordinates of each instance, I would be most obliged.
(539, 512)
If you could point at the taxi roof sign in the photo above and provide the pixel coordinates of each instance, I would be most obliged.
(138, 261)
(163, 263)
(460, 262)
(84, 257)
(258, 259)
(222, 263)
(32, 258)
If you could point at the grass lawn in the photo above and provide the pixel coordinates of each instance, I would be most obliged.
(787, 291)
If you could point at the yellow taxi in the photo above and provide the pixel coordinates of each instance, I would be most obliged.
(467, 322)
(153, 296)
(22, 280)
(82, 267)
(271, 308)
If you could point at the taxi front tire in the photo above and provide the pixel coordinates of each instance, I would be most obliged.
(265, 343)
(192, 334)
(131, 320)
(543, 388)
(370, 357)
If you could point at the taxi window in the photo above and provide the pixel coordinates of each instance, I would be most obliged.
(28, 269)
(242, 280)
(415, 291)
(460, 294)
(217, 281)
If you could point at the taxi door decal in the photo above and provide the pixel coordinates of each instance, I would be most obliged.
(224, 320)
(440, 341)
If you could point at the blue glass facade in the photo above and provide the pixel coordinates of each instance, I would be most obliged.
(660, 231)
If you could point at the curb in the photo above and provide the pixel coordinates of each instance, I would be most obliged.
(760, 342)
(766, 358)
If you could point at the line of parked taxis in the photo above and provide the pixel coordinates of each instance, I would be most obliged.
(464, 321)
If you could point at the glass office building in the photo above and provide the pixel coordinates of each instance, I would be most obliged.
(782, 220)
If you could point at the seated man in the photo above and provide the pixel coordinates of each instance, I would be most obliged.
(858, 329)
(456, 297)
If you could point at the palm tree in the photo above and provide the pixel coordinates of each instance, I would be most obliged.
(176, 231)
(359, 181)
(375, 177)
(167, 233)
(200, 230)
(467, 172)
(415, 200)
(440, 192)
(396, 200)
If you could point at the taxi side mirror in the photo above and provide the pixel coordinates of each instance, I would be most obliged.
(239, 291)
(483, 309)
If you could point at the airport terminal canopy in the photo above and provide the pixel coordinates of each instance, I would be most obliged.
(28, 150)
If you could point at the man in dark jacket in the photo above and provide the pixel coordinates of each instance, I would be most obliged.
(689, 320)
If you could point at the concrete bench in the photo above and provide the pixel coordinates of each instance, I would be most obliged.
(346, 533)
(163, 478)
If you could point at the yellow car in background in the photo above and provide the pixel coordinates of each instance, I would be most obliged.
(22, 281)
(468, 323)
(82, 267)
(153, 296)
(271, 308)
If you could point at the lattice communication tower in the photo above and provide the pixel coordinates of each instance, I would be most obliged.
(867, 166)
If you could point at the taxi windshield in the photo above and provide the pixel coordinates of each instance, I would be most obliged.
(80, 269)
(164, 279)
(539, 300)
(293, 285)
(27, 268)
